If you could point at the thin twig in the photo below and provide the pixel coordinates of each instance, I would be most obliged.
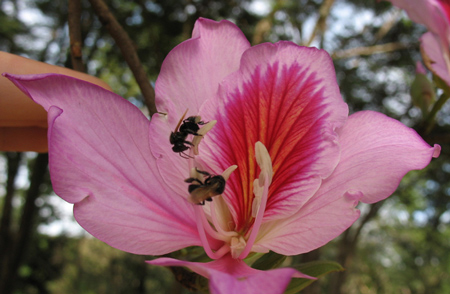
(324, 11)
(76, 42)
(373, 212)
(129, 53)
(387, 25)
(359, 51)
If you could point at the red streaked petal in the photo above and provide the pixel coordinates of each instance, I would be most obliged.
(377, 151)
(285, 96)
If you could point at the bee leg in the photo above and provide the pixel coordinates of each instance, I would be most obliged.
(185, 155)
(192, 132)
(202, 172)
(209, 199)
(191, 180)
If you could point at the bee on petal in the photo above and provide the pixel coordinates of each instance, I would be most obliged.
(185, 127)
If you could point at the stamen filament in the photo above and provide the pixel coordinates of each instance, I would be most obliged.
(216, 223)
(201, 231)
(222, 251)
(208, 228)
(258, 221)
(202, 234)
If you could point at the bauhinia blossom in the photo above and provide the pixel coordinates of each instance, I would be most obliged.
(435, 44)
(271, 125)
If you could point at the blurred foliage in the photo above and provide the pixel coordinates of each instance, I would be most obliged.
(401, 246)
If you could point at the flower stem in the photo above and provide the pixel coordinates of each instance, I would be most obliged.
(430, 120)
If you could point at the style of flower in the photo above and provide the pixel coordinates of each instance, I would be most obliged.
(435, 44)
(271, 124)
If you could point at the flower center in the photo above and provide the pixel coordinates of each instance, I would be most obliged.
(212, 211)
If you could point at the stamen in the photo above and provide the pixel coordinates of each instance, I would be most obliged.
(203, 130)
(265, 179)
(258, 191)
(227, 173)
(265, 163)
(237, 245)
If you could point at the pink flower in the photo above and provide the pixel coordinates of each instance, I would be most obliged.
(435, 15)
(276, 128)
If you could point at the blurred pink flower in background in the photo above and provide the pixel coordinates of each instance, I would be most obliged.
(435, 15)
(296, 164)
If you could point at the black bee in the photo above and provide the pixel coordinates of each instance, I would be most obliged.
(200, 191)
(185, 127)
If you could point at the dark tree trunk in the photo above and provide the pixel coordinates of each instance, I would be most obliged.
(347, 249)
(13, 161)
(19, 245)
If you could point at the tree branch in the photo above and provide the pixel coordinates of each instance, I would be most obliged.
(76, 42)
(360, 51)
(126, 46)
(387, 25)
(321, 24)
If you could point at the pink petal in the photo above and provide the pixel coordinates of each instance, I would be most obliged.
(434, 51)
(100, 159)
(173, 168)
(136, 225)
(319, 221)
(228, 275)
(433, 14)
(285, 96)
(377, 151)
(192, 71)
(190, 75)
(420, 69)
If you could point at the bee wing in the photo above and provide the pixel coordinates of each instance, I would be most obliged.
(181, 120)
(203, 192)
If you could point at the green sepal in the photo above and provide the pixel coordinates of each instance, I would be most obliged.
(441, 84)
(315, 269)
(423, 93)
(269, 261)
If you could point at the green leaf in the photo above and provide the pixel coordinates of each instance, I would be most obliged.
(269, 261)
(315, 269)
